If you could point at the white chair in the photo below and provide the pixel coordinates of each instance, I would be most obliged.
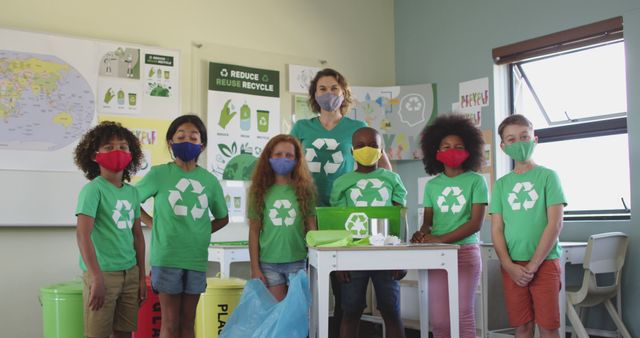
(604, 255)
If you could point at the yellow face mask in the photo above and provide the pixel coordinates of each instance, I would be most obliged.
(367, 156)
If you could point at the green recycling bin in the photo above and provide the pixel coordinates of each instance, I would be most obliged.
(62, 310)
(216, 304)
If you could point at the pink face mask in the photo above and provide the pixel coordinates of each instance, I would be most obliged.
(452, 158)
(115, 161)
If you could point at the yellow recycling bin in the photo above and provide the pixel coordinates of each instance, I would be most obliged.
(216, 304)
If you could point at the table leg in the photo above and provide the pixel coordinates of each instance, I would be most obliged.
(423, 301)
(313, 323)
(452, 281)
(323, 303)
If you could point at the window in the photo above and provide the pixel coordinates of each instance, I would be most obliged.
(572, 86)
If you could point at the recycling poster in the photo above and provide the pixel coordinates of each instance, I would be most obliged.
(399, 113)
(243, 110)
(135, 81)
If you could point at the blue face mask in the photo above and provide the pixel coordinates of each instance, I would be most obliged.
(186, 151)
(282, 166)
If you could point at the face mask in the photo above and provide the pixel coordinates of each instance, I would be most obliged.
(282, 166)
(186, 151)
(115, 161)
(452, 158)
(329, 102)
(520, 151)
(367, 156)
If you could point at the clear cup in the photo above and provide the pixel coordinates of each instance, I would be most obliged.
(379, 226)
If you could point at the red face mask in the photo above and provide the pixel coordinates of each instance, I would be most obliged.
(115, 160)
(452, 158)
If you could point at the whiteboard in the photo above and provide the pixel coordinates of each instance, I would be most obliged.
(63, 84)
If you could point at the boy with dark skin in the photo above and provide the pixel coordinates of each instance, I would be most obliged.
(348, 191)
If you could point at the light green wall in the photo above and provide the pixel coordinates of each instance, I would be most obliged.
(354, 36)
(447, 42)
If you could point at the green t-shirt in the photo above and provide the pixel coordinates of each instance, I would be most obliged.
(181, 223)
(452, 199)
(378, 188)
(114, 211)
(522, 200)
(282, 234)
(328, 152)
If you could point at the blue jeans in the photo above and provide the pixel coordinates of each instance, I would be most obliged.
(175, 281)
(278, 273)
(387, 292)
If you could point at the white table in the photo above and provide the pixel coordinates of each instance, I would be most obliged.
(227, 254)
(572, 253)
(421, 257)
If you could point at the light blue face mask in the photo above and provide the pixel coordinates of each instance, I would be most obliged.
(282, 166)
(520, 151)
(329, 101)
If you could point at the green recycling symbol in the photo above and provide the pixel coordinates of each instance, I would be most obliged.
(265, 78)
(458, 198)
(224, 72)
(530, 199)
(279, 207)
(357, 224)
(356, 193)
(331, 166)
(198, 208)
(123, 214)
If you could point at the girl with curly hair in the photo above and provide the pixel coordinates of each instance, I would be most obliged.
(282, 202)
(455, 202)
(111, 248)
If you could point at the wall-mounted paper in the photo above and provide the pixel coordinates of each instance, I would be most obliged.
(300, 77)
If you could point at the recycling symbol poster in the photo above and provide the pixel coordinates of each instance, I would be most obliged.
(243, 110)
(399, 113)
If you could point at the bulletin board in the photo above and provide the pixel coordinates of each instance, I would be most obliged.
(54, 88)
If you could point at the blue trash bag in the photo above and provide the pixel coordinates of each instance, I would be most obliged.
(259, 315)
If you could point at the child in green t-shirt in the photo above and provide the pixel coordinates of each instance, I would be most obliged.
(184, 194)
(365, 187)
(527, 206)
(455, 203)
(281, 210)
(109, 235)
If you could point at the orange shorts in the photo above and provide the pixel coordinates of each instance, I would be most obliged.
(538, 301)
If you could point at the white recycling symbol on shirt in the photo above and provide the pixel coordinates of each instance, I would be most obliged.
(459, 200)
(282, 206)
(123, 208)
(356, 193)
(198, 209)
(530, 201)
(331, 166)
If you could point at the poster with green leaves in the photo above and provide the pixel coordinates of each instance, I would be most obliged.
(243, 110)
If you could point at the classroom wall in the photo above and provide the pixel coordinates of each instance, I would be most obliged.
(447, 42)
(354, 36)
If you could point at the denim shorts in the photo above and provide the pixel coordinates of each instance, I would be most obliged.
(278, 273)
(175, 281)
(354, 292)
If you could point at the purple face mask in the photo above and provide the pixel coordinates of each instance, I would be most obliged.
(282, 166)
(329, 101)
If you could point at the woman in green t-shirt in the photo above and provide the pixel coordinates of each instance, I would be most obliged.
(184, 194)
(281, 211)
(327, 143)
(455, 202)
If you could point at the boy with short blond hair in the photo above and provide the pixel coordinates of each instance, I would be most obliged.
(527, 207)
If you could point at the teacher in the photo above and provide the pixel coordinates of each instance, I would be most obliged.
(327, 142)
(327, 137)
